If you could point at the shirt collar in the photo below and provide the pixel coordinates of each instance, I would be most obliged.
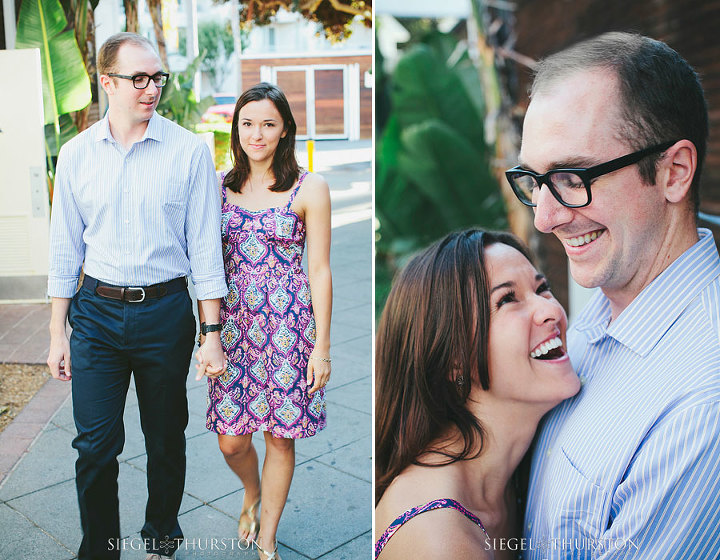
(643, 323)
(154, 129)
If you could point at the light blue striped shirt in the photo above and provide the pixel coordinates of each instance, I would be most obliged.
(136, 217)
(630, 467)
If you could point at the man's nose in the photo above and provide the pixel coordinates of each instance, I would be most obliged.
(549, 213)
(152, 88)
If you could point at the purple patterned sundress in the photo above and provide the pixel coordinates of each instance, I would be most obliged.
(403, 518)
(268, 327)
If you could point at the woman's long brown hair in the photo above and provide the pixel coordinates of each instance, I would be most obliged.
(284, 166)
(433, 330)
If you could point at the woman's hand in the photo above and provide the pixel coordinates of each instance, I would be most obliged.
(318, 370)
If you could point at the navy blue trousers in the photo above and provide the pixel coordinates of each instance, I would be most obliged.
(152, 340)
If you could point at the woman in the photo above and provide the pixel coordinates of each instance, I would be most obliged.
(277, 341)
(469, 356)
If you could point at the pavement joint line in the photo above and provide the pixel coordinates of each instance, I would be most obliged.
(354, 338)
(7, 502)
(340, 470)
(32, 522)
(343, 544)
(42, 423)
(345, 385)
(351, 408)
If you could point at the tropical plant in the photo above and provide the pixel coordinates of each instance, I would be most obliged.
(66, 85)
(432, 161)
(178, 102)
(217, 41)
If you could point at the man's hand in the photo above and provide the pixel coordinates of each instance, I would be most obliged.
(59, 357)
(211, 358)
(59, 354)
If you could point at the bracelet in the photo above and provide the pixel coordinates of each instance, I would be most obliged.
(328, 360)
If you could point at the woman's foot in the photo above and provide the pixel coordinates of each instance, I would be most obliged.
(264, 554)
(249, 522)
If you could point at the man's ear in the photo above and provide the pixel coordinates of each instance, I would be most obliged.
(677, 170)
(107, 83)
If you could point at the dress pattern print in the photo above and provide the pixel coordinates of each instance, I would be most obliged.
(268, 327)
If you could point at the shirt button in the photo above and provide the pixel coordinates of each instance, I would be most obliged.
(127, 221)
(583, 380)
(548, 452)
(529, 526)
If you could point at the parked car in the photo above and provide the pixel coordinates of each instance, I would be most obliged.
(222, 110)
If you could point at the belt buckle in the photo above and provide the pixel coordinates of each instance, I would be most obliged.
(136, 288)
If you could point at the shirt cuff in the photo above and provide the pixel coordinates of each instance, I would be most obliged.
(62, 287)
(210, 289)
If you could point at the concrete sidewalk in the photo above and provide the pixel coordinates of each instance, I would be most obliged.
(328, 513)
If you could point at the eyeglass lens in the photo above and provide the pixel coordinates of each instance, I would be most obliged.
(568, 186)
(141, 81)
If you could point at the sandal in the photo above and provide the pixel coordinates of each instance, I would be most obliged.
(274, 555)
(249, 522)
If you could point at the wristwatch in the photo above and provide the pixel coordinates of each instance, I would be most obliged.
(204, 328)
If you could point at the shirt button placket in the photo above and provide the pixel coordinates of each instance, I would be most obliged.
(125, 206)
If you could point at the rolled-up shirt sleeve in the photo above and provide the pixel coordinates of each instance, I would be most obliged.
(202, 228)
(67, 247)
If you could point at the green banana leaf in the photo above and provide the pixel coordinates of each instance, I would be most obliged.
(432, 161)
(453, 174)
(67, 131)
(66, 86)
(426, 88)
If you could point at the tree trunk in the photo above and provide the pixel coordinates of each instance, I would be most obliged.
(131, 16)
(155, 7)
(87, 50)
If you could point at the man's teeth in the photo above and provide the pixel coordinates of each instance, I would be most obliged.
(545, 347)
(583, 239)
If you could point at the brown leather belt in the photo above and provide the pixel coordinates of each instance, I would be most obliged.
(134, 294)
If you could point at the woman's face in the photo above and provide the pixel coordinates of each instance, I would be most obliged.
(527, 357)
(260, 128)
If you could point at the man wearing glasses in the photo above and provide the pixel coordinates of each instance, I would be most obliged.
(136, 205)
(613, 144)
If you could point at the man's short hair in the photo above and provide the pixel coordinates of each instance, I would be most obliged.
(107, 56)
(661, 98)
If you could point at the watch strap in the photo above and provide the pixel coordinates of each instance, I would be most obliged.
(205, 328)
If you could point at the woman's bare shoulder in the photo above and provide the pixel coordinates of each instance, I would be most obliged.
(440, 533)
(314, 181)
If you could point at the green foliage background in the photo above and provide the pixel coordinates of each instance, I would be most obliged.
(432, 162)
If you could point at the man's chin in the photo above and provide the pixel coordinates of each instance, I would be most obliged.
(585, 276)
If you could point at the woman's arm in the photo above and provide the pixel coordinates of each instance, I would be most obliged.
(316, 196)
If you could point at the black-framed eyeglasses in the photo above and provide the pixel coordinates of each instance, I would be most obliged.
(571, 187)
(141, 81)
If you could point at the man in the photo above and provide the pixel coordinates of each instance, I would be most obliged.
(136, 204)
(630, 467)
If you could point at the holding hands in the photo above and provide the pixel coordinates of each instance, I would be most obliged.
(211, 359)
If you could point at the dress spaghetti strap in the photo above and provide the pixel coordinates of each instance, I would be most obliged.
(403, 518)
(300, 182)
(223, 189)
